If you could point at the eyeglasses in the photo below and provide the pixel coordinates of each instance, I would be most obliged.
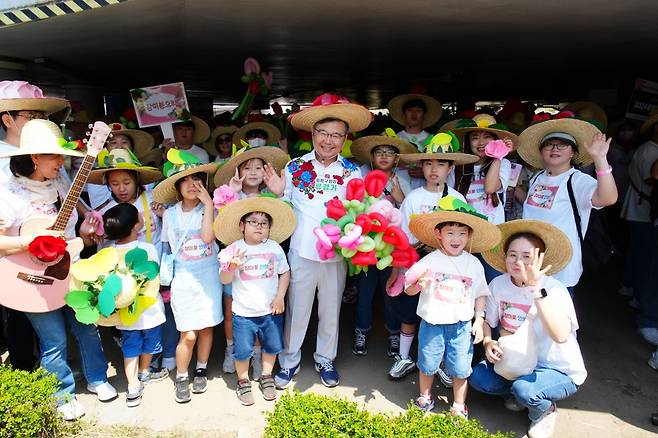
(555, 146)
(387, 154)
(323, 135)
(257, 224)
(32, 115)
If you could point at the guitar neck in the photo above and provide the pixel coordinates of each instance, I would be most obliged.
(73, 195)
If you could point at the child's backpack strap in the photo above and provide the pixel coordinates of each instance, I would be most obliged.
(574, 209)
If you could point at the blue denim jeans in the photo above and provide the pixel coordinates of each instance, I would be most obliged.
(536, 391)
(369, 283)
(50, 327)
(644, 254)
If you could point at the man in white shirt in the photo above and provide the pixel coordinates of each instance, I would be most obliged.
(311, 181)
(187, 135)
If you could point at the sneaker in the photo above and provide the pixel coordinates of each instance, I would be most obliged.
(424, 402)
(328, 374)
(401, 367)
(200, 381)
(462, 413)
(634, 303)
(105, 392)
(625, 291)
(266, 385)
(445, 379)
(244, 393)
(544, 426)
(283, 378)
(72, 410)
(393, 345)
(257, 365)
(360, 344)
(653, 360)
(229, 364)
(144, 377)
(650, 334)
(182, 386)
(134, 396)
(512, 404)
(158, 375)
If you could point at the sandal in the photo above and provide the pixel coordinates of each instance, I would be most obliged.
(244, 392)
(267, 387)
(424, 402)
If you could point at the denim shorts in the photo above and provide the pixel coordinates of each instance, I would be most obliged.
(267, 328)
(405, 308)
(451, 342)
(136, 342)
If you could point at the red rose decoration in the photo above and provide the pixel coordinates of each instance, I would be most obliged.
(47, 248)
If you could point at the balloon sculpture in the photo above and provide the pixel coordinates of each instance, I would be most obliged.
(364, 229)
(257, 83)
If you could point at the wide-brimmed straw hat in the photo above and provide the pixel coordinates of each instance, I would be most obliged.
(332, 106)
(590, 111)
(284, 221)
(531, 138)
(272, 132)
(269, 154)
(122, 159)
(484, 236)
(432, 114)
(179, 164)
(40, 136)
(558, 246)
(142, 141)
(23, 96)
(442, 146)
(201, 130)
(210, 146)
(362, 147)
(484, 122)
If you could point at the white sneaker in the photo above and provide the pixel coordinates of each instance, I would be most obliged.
(257, 365)
(653, 360)
(104, 391)
(634, 303)
(72, 410)
(625, 291)
(650, 334)
(512, 404)
(229, 365)
(544, 426)
(169, 363)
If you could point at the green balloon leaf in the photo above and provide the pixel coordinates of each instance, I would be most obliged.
(148, 269)
(87, 315)
(135, 257)
(79, 299)
(112, 285)
(106, 304)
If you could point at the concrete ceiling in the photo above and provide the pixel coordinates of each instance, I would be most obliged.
(373, 49)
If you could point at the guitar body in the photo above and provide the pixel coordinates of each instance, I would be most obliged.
(30, 285)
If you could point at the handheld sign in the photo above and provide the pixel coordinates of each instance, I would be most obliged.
(161, 105)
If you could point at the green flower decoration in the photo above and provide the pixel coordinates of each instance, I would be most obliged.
(443, 143)
(118, 158)
(482, 123)
(178, 161)
(450, 203)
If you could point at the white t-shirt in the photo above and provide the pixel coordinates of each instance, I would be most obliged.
(415, 139)
(421, 201)
(636, 208)
(508, 305)
(455, 284)
(478, 198)
(255, 284)
(548, 201)
(154, 315)
(200, 153)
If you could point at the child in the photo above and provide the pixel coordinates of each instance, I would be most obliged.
(256, 266)
(248, 173)
(195, 287)
(379, 152)
(453, 291)
(436, 164)
(143, 339)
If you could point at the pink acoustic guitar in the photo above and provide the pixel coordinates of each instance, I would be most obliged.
(30, 285)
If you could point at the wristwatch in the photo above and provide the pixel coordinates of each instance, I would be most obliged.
(481, 314)
(542, 293)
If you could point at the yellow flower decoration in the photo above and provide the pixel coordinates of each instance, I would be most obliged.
(100, 263)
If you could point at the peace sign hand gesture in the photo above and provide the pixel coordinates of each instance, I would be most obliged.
(532, 274)
(236, 182)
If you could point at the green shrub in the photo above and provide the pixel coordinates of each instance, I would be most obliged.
(27, 406)
(311, 415)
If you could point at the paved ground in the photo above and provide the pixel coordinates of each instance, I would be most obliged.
(615, 401)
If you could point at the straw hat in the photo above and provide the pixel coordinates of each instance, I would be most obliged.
(442, 146)
(648, 124)
(329, 105)
(363, 146)
(201, 130)
(210, 146)
(273, 133)
(122, 159)
(284, 221)
(269, 154)
(483, 122)
(432, 115)
(590, 111)
(449, 126)
(558, 246)
(21, 95)
(42, 137)
(179, 165)
(485, 235)
(142, 141)
(530, 139)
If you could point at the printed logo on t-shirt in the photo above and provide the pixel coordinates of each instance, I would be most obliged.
(512, 315)
(257, 267)
(426, 208)
(543, 196)
(451, 288)
(195, 248)
(478, 198)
